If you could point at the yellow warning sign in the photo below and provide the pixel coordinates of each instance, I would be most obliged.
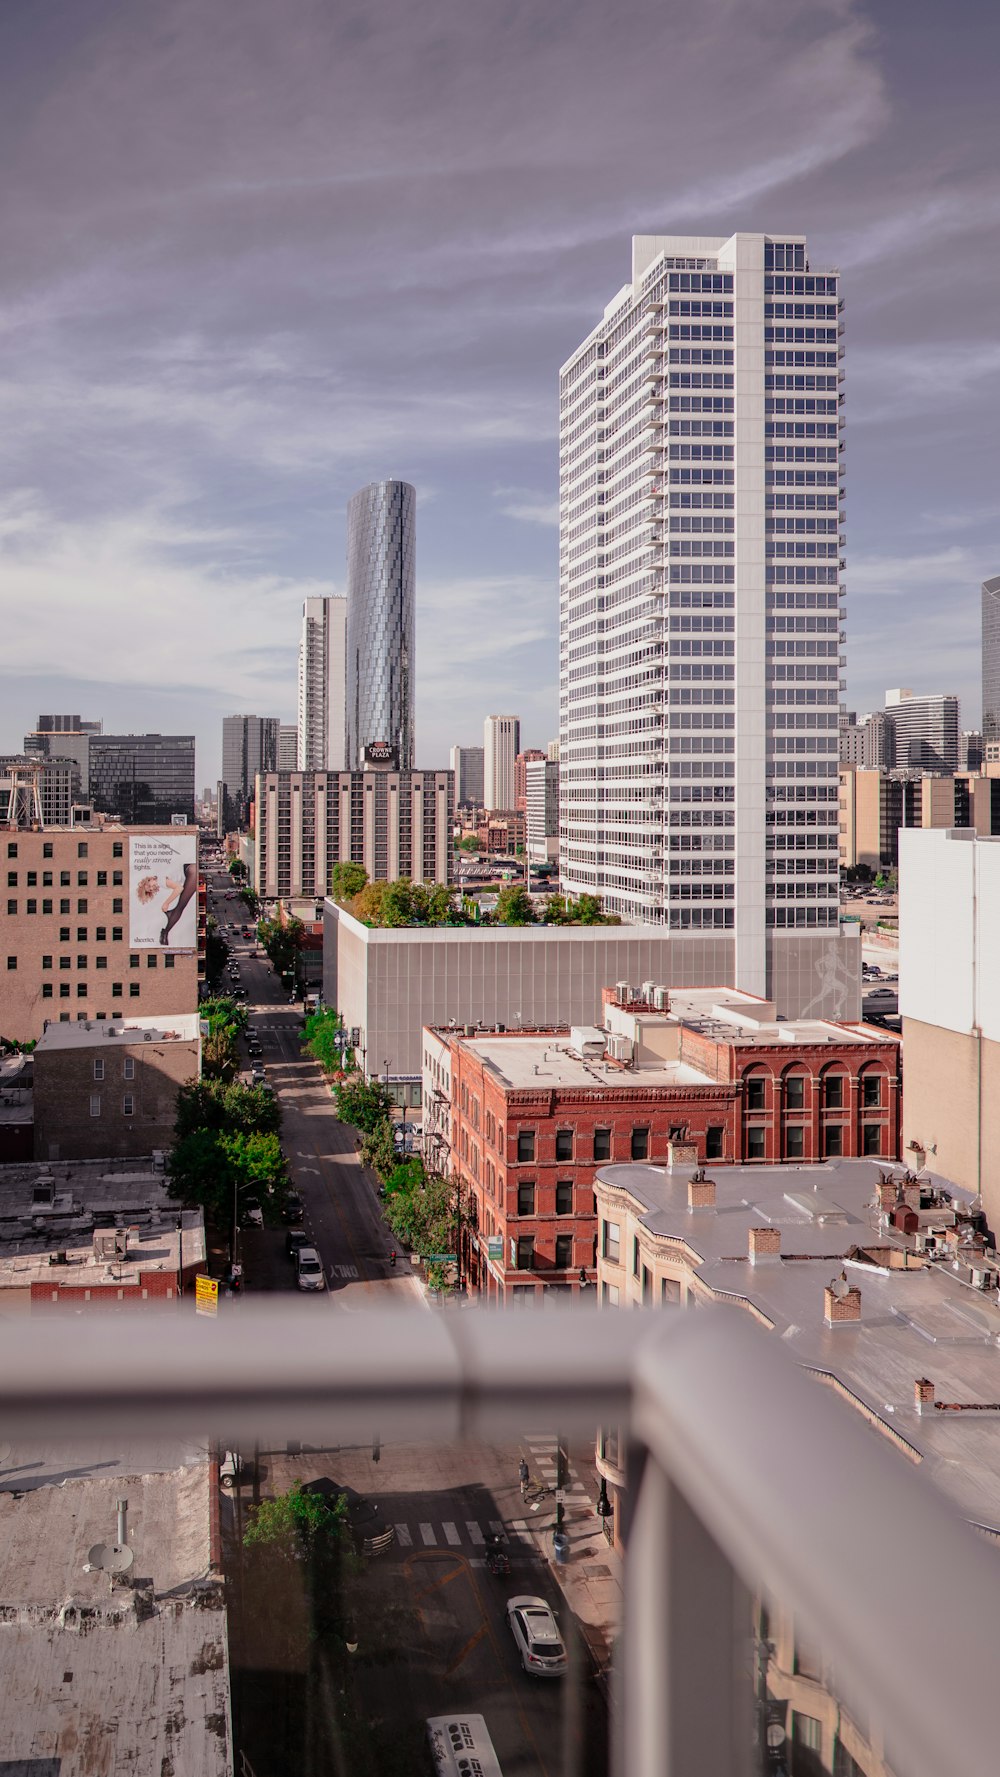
(206, 1295)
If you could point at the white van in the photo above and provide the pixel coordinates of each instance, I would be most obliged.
(460, 1746)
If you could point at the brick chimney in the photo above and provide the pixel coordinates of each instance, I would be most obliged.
(765, 1243)
(923, 1394)
(888, 1191)
(841, 1302)
(701, 1191)
(682, 1153)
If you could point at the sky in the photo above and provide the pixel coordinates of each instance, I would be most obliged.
(257, 255)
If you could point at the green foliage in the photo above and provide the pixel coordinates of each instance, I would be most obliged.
(226, 1019)
(346, 881)
(237, 869)
(208, 1165)
(422, 1209)
(378, 1149)
(469, 843)
(586, 910)
(514, 906)
(281, 942)
(406, 903)
(296, 1521)
(250, 901)
(321, 1028)
(11, 1046)
(226, 1105)
(363, 1103)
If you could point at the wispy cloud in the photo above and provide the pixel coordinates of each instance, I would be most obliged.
(529, 507)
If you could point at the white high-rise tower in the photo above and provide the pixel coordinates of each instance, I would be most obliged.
(700, 622)
(322, 737)
(501, 745)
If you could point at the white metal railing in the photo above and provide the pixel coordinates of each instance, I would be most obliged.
(744, 1475)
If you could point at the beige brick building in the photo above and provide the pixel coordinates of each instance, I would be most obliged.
(69, 949)
(110, 1089)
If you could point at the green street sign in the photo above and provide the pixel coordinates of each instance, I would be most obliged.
(441, 1259)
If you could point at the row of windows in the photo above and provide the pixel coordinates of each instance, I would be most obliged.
(117, 990)
(31, 879)
(128, 1104)
(82, 849)
(82, 906)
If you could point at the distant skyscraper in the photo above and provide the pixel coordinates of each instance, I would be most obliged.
(924, 731)
(249, 745)
(145, 779)
(530, 756)
(700, 609)
(322, 684)
(381, 541)
(991, 658)
(970, 750)
(288, 747)
(467, 764)
(64, 737)
(501, 745)
(542, 810)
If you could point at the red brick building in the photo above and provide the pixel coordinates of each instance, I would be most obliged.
(521, 763)
(522, 1120)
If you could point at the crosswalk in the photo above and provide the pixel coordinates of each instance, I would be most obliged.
(542, 1460)
(468, 1534)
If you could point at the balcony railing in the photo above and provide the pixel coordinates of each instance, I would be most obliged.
(745, 1478)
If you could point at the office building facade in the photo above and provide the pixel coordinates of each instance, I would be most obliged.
(321, 735)
(395, 823)
(467, 764)
(501, 745)
(542, 810)
(701, 481)
(381, 568)
(924, 731)
(288, 747)
(530, 756)
(57, 782)
(144, 779)
(991, 658)
(249, 745)
(64, 737)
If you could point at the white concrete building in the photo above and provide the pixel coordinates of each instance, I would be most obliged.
(949, 1000)
(701, 483)
(322, 725)
(541, 810)
(501, 745)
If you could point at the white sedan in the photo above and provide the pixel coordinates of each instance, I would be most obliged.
(536, 1633)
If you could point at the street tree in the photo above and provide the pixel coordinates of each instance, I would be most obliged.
(346, 881)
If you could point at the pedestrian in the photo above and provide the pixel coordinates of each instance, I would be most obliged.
(524, 1475)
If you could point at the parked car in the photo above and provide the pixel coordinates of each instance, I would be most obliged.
(293, 1209)
(882, 993)
(537, 1637)
(310, 1269)
(295, 1240)
(254, 1213)
(255, 1047)
(232, 1470)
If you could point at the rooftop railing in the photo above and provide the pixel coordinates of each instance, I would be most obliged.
(745, 1479)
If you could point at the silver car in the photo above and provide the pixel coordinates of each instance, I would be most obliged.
(310, 1269)
(536, 1633)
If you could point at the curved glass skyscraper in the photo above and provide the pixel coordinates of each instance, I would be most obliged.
(380, 621)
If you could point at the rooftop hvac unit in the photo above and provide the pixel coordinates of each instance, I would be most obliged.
(619, 1046)
(661, 999)
(647, 991)
(623, 992)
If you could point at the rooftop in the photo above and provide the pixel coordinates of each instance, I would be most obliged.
(918, 1319)
(60, 1208)
(732, 1016)
(520, 1061)
(94, 1033)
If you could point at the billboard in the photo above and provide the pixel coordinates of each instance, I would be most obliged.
(381, 752)
(163, 891)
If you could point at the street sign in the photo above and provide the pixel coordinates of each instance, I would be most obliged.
(442, 1259)
(206, 1295)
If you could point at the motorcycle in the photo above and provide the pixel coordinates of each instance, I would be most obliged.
(496, 1558)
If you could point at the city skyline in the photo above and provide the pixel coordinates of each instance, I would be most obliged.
(254, 316)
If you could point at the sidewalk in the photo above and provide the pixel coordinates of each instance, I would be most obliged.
(591, 1577)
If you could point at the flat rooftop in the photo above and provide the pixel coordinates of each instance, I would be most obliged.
(732, 1016)
(113, 1033)
(101, 1677)
(520, 1061)
(920, 1322)
(58, 1207)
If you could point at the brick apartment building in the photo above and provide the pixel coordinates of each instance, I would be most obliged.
(69, 950)
(110, 1088)
(522, 1121)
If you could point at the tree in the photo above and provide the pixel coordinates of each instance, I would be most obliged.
(514, 906)
(206, 1166)
(363, 1103)
(226, 1019)
(296, 1521)
(346, 881)
(281, 942)
(228, 1106)
(422, 1210)
(469, 842)
(237, 868)
(378, 1148)
(320, 1035)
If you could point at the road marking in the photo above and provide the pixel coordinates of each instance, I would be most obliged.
(475, 1534)
(403, 1536)
(427, 1532)
(496, 1526)
(463, 1653)
(451, 1533)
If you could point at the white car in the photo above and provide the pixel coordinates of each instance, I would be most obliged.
(537, 1636)
(310, 1269)
(232, 1468)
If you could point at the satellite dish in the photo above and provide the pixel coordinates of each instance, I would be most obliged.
(110, 1557)
(840, 1288)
